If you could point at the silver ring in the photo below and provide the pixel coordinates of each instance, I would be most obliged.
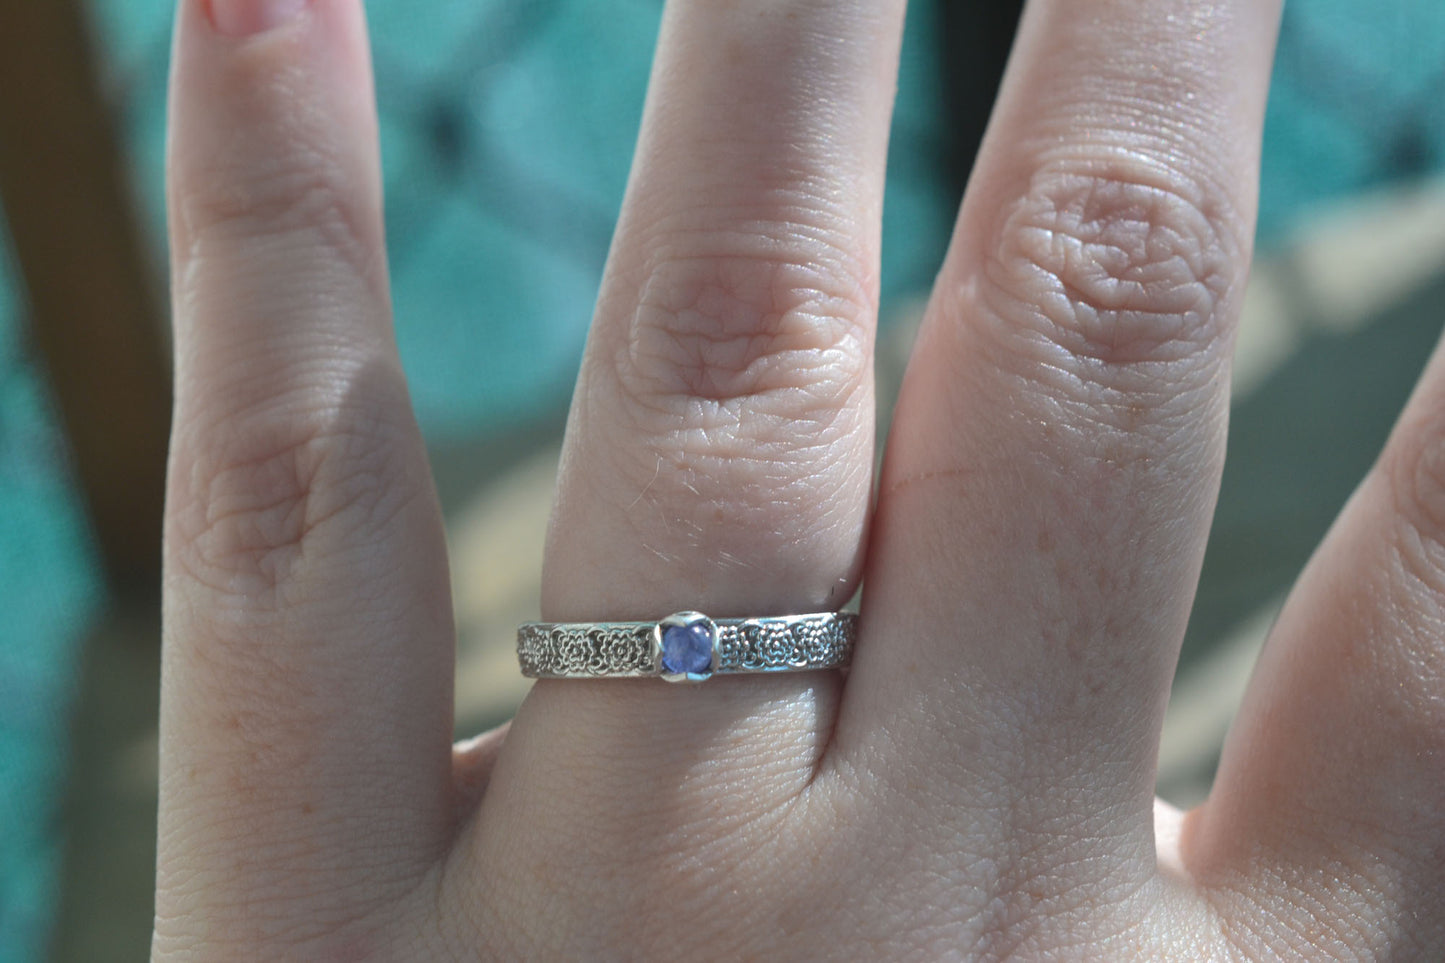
(686, 647)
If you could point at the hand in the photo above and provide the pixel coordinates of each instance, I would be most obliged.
(980, 785)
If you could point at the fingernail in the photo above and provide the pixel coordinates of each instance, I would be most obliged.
(241, 18)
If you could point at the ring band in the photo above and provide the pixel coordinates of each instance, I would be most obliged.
(686, 647)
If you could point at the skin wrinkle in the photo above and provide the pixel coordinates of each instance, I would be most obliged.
(318, 214)
(724, 329)
(252, 508)
(1049, 270)
(1262, 923)
(778, 409)
(310, 188)
(1111, 381)
(1140, 83)
(1130, 126)
(745, 463)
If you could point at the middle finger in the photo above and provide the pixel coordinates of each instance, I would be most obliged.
(1056, 451)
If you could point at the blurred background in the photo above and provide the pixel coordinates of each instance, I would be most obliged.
(507, 128)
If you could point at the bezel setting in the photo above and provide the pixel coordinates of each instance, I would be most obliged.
(685, 620)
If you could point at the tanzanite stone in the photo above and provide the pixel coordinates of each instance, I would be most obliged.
(687, 648)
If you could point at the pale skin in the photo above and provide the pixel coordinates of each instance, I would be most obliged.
(980, 785)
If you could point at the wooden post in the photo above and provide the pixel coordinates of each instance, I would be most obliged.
(86, 279)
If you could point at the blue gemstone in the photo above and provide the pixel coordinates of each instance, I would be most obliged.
(687, 648)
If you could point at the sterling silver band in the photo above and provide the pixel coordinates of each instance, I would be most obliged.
(677, 648)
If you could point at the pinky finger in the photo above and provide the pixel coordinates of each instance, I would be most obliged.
(1330, 798)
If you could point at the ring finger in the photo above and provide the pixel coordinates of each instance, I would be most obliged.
(720, 446)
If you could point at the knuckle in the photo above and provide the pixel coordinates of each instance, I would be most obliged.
(302, 192)
(749, 324)
(726, 401)
(282, 170)
(272, 491)
(1100, 272)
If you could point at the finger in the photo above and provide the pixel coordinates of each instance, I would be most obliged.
(719, 450)
(306, 708)
(1055, 454)
(723, 413)
(1334, 772)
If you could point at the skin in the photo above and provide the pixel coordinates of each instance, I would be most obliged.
(980, 786)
